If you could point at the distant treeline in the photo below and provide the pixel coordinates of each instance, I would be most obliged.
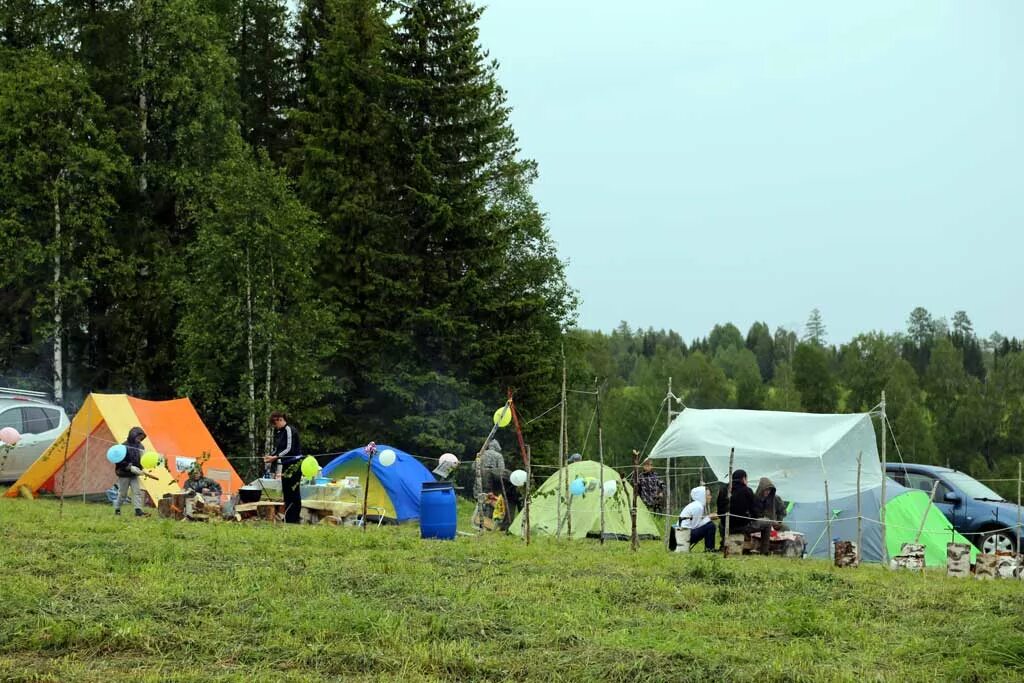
(952, 398)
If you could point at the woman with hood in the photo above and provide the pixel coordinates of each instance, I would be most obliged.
(128, 471)
(773, 506)
(695, 517)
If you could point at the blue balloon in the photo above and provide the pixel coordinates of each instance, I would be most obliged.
(577, 487)
(115, 454)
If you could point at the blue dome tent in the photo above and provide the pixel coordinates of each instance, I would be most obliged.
(394, 491)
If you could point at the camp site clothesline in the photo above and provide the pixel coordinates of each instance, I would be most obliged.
(621, 468)
(863, 518)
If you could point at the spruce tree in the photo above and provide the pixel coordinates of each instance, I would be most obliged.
(258, 41)
(258, 344)
(58, 168)
(491, 296)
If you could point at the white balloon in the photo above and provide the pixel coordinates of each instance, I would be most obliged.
(518, 478)
(610, 487)
(387, 457)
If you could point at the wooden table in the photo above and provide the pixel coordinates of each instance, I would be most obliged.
(323, 501)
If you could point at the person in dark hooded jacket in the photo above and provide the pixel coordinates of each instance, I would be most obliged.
(744, 507)
(773, 507)
(129, 470)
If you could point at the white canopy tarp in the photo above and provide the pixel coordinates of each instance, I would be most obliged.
(797, 451)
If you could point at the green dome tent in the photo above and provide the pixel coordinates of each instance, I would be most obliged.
(586, 509)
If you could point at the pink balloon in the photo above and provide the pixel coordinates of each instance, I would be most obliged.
(10, 436)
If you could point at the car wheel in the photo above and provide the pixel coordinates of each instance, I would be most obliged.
(993, 541)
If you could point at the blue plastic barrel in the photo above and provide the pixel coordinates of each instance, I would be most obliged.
(437, 510)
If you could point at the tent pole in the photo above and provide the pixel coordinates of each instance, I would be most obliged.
(728, 504)
(881, 515)
(600, 459)
(86, 468)
(924, 517)
(366, 489)
(668, 466)
(507, 520)
(561, 454)
(634, 540)
(828, 522)
(859, 455)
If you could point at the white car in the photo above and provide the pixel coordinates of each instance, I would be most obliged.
(37, 420)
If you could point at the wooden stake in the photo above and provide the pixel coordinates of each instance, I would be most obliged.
(634, 539)
(526, 505)
(507, 521)
(728, 499)
(668, 465)
(561, 454)
(600, 459)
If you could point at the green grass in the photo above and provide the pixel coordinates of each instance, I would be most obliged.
(91, 597)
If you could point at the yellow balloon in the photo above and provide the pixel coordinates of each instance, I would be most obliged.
(149, 460)
(503, 416)
(310, 467)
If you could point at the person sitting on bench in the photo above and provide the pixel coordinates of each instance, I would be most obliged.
(772, 505)
(745, 510)
(695, 518)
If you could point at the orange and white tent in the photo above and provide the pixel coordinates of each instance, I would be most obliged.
(76, 463)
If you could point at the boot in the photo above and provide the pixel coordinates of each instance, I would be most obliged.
(140, 513)
(117, 511)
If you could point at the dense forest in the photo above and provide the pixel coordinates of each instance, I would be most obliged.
(322, 210)
(321, 207)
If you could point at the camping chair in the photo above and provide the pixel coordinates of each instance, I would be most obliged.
(379, 512)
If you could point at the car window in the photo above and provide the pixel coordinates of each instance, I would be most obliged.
(12, 418)
(924, 482)
(38, 420)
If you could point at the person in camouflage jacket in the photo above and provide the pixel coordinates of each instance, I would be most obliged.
(201, 484)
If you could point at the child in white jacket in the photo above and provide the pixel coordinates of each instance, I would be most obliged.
(695, 517)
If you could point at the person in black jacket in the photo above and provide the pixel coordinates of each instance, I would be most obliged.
(287, 452)
(744, 507)
(128, 471)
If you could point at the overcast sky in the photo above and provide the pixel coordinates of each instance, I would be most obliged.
(714, 161)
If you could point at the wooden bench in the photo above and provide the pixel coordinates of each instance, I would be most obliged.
(267, 510)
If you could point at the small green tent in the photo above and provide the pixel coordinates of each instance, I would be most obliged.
(585, 510)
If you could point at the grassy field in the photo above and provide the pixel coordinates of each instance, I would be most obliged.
(91, 597)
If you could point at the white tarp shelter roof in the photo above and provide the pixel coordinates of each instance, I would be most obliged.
(797, 451)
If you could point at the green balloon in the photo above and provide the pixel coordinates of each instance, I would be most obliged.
(149, 460)
(310, 467)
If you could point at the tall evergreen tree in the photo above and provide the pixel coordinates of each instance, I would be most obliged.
(491, 296)
(814, 330)
(260, 45)
(258, 344)
(57, 171)
(813, 378)
(761, 343)
(344, 172)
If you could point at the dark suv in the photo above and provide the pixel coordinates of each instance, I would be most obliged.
(975, 510)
